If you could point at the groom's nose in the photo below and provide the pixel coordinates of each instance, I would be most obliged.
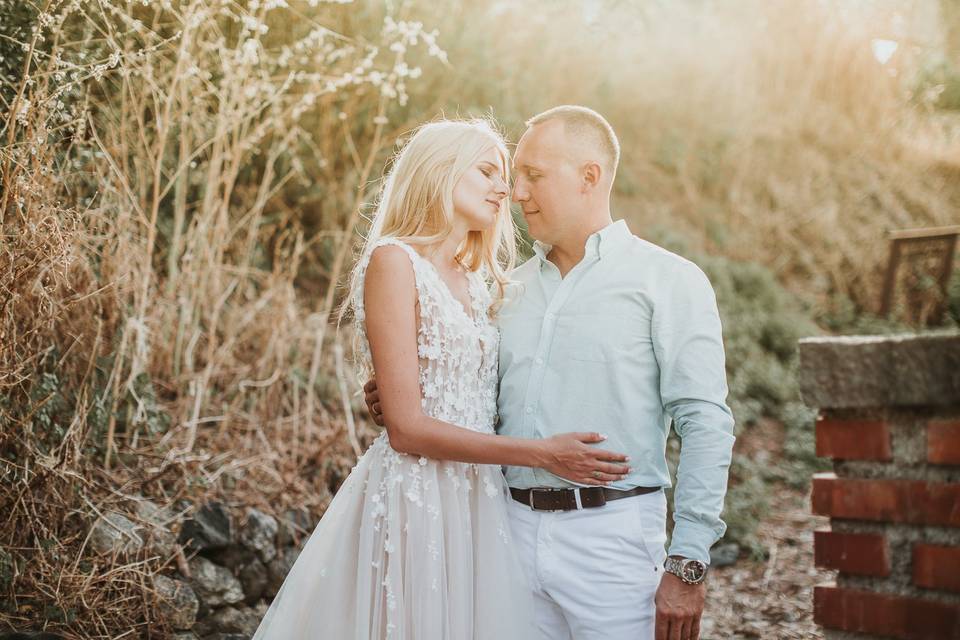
(519, 193)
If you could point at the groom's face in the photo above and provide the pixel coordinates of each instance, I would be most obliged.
(546, 183)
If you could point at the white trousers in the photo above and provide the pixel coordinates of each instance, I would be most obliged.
(594, 572)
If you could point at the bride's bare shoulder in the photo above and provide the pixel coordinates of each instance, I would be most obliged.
(389, 274)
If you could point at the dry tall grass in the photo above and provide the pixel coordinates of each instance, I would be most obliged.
(182, 180)
(159, 174)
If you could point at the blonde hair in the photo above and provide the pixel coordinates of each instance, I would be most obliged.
(415, 203)
(585, 124)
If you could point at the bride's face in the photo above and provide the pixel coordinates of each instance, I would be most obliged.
(479, 194)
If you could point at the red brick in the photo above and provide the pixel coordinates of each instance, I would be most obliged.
(853, 439)
(936, 567)
(908, 501)
(883, 614)
(943, 441)
(863, 554)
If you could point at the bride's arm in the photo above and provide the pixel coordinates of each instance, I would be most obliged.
(389, 300)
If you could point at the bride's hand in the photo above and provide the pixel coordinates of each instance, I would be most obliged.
(371, 395)
(569, 456)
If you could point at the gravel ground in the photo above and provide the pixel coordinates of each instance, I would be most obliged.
(772, 598)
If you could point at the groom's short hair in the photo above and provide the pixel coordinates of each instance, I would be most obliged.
(586, 125)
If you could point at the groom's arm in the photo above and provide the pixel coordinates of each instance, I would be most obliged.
(688, 344)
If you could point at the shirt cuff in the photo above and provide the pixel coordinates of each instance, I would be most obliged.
(692, 540)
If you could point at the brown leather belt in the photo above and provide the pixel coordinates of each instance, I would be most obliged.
(572, 499)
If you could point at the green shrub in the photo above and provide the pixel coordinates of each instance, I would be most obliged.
(938, 85)
(841, 316)
(15, 28)
(746, 503)
(799, 447)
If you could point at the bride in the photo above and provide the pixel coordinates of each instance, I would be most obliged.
(416, 544)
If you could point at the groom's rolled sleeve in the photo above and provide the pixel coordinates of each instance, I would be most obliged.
(688, 344)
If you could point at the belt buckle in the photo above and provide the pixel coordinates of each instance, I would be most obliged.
(552, 510)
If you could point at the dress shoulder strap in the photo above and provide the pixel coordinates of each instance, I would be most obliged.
(415, 257)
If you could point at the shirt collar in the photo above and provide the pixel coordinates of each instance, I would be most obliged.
(599, 243)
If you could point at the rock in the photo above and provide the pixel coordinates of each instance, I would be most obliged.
(244, 564)
(295, 525)
(278, 568)
(155, 529)
(177, 602)
(254, 578)
(233, 557)
(115, 533)
(157, 516)
(215, 585)
(162, 543)
(724, 555)
(259, 534)
(204, 627)
(209, 528)
(235, 620)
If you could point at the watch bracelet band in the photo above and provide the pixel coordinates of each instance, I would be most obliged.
(675, 566)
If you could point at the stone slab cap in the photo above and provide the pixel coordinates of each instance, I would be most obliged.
(881, 371)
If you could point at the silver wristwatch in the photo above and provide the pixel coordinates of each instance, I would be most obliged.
(687, 569)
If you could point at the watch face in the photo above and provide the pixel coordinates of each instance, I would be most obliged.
(693, 570)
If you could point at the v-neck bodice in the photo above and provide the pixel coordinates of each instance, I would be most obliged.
(457, 347)
(469, 311)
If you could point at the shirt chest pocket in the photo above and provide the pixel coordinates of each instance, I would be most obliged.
(600, 337)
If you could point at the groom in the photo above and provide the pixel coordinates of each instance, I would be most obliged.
(607, 332)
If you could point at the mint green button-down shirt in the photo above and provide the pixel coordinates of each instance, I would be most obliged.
(627, 341)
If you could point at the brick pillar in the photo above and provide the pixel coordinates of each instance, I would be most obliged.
(890, 421)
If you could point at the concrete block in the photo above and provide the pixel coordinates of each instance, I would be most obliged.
(880, 371)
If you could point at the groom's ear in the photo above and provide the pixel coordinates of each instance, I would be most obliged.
(590, 176)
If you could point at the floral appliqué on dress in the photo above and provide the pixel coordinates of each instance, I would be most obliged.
(413, 548)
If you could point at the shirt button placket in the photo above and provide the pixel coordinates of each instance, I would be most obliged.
(537, 371)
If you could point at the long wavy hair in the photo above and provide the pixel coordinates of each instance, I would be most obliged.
(415, 202)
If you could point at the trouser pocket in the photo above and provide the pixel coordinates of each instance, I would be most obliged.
(651, 513)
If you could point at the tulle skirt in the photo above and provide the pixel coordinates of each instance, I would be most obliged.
(409, 549)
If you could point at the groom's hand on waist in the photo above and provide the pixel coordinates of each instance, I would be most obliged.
(679, 608)
(372, 397)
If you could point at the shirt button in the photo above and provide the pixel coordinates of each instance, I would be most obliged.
(539, 360)
(529, 409)
(549, 316)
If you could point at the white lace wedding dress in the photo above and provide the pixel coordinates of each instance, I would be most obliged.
(413, 548)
